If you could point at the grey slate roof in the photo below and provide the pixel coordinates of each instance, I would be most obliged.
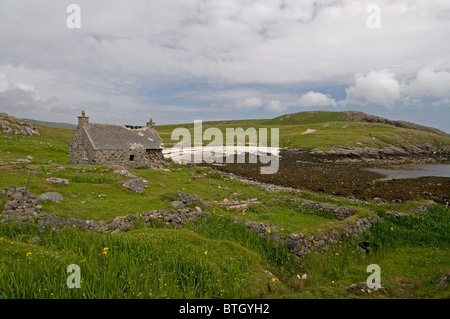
(119, 137)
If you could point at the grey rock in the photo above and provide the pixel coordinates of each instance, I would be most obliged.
(137, 185)
(125, 173)
(197, 209)
(57, 181)
(50, 197)
(443, 279)
(177, 204)
(188, 199)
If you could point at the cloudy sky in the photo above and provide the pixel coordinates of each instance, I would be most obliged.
(181, 60)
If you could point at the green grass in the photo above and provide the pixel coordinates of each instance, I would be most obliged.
(145, 263)
(163, 262)
(333, 130)
(413, 255)
(217, 258)
(50, 147)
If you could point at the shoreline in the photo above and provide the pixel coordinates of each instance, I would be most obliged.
(347, 177)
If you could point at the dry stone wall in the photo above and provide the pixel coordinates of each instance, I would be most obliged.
(23, 207)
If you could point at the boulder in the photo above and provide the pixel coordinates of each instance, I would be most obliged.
(177, 204)
(137, 185)
(125, 173)
(50, 197)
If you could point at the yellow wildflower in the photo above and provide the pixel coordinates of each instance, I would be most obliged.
(206, 252)
(28, 254)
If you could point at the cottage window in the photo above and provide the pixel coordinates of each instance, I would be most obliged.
(131, 158)
(85, 155)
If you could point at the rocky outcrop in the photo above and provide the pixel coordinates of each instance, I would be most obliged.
(11, 125)
(363, 117)
(405, 154)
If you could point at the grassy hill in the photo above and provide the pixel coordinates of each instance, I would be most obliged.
(209, 258)
(333, 130)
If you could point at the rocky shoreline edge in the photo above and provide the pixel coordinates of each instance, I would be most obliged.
(392, 155)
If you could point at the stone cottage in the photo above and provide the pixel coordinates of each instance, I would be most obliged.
(124, 145)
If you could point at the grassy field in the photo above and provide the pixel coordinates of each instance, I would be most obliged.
(207, 258)
(333, 131)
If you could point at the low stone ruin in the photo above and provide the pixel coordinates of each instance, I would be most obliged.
(185, 200)
(339, 212)
(23, 207)
(58, 181)
(238, 204)
(302, 245)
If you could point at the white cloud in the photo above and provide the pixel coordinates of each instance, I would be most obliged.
(138, 57)
(26, 87)
(315, 99)
(375, 87)
(271, 41)
(4, 83)
(275, 106)
(249, 103)
(429, 83)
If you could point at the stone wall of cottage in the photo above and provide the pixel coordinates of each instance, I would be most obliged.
(80, 150)
(138, 157)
